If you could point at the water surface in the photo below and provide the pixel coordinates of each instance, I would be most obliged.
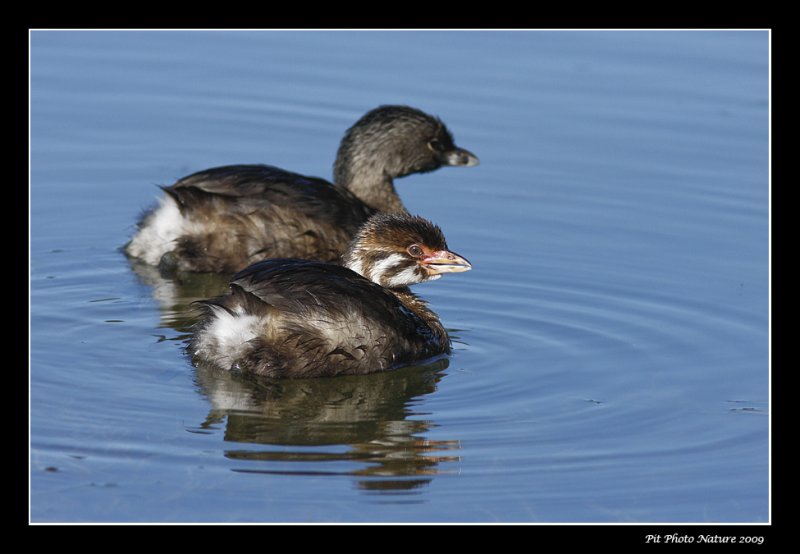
(611, 343)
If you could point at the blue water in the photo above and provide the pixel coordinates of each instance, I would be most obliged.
(611, 361)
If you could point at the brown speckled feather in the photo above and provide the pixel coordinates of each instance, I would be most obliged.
(324, 320)
(247, 213)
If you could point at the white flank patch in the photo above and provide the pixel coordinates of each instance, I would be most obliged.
(159, 233)
(226, 338)
(376, 273)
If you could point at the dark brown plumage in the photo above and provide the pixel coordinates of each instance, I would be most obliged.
(222, 219)
(299, 318)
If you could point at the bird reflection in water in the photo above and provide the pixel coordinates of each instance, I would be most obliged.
(175, 293)
(360, 420)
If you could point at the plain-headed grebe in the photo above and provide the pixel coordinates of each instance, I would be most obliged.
(222, 219)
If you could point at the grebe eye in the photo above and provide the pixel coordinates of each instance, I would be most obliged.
(415, 250)
(435, 145)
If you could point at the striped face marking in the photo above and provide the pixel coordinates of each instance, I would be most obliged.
(408, 276)
(382, 271)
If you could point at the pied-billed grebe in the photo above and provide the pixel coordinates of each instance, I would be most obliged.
(299, 318)
(222, 219)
